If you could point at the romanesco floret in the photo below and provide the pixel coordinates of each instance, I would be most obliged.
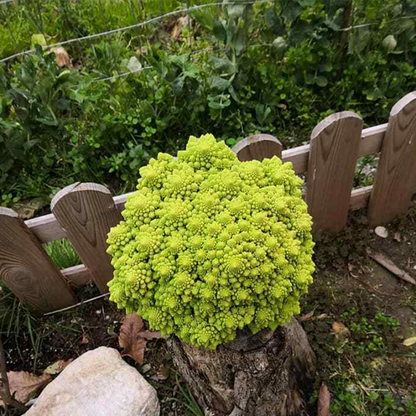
(210, 245)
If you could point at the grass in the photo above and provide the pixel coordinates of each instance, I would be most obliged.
(187, 398)
(359, 366)
(18, 321)
(62, 253)
(20, 20)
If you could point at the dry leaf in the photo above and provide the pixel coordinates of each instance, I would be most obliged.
(57, 367)
(324, 401)
(133, 337)
(180, 24)
(141, 51)
(340, 329)
(61, 57)
(351, 268)
(25, 386)
(381, 232)
(397, 236)
(306, 317)
(409, 341)
(85, 339)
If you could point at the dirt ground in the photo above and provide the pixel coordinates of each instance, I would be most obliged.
(359, 316)
(378, 311)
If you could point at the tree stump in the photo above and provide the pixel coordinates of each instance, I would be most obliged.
(254, 375)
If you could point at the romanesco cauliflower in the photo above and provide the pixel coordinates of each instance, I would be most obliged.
(210, 245)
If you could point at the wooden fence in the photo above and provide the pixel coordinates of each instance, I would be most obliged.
(85, 212)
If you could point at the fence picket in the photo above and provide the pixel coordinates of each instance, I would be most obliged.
(334, 147)
(77, 275)
(26, 268)
(258, 147)
(86, 211)
(394, 183)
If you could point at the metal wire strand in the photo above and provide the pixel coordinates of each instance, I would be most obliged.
(141, 24)
(172, 13)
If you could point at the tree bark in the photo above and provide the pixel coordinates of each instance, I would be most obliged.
(254, 375)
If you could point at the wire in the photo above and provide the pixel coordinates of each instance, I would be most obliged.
(155, 19)
(77, 304)
(124, 74)
(172, 13)
(346, 29)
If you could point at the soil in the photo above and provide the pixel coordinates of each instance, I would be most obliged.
(346, 279)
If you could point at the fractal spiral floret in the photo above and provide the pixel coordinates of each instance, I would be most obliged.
(210, 245)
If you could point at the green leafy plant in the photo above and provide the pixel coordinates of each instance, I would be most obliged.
(210, 245)
(35, 106)
(236, 70)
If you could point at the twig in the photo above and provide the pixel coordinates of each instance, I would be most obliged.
(364, 388)
(390, 266)
(373, 289)
(6, 396)
(77, 304)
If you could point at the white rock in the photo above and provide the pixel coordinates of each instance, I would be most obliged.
(98, 383)
(381, 232)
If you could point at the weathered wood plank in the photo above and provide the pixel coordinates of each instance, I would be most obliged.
(258, 147)
(47, 228)
(26, 268)
(120, 200)
(80, 275)
(77, 275)
(371, 140)
(298, 156)
(360, 198)
(395, 178)
(332, 160)
(86, 211)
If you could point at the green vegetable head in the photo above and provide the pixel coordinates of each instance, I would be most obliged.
(210, 245)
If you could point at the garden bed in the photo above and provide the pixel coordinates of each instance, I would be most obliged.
(365, 364)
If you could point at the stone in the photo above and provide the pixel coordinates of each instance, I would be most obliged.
(381, 232)
(98, 383)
